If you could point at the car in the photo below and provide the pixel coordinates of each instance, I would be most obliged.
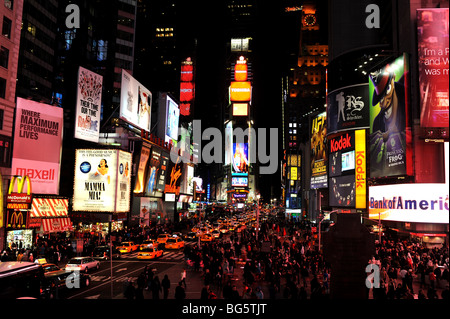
(127, 247)
(58, 281)
(223, 229)
(51, 268)
(191, 236)
(162, 238)
(148, 243)
(150, 253)
(103, 253)
(177, 234)
(174, 243)
(82, 264)
(216, 233)
(206, 237)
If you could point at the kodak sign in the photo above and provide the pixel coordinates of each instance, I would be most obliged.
(360, 169)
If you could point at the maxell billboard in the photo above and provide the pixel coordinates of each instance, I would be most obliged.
(37, 145)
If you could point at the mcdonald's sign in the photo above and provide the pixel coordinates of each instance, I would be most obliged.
(17, 219)
(17, 199)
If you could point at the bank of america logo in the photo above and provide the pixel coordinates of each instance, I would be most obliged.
(85, 167)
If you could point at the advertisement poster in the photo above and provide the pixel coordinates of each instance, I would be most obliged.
(432, 39)
(388, 117)
(154, 166)
(348, 108)
(142, 170)
(240, 159)
(123, 182)
(319, 158)
(102, 180)
(88, 105)
(173, 117)
(161, 177)
(37, 145)
(173, 178)
(135, 102)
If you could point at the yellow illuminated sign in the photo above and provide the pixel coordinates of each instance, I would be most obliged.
(360, 168)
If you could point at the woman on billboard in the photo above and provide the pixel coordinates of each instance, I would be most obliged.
(102, 170)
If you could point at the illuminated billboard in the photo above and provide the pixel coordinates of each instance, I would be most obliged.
(173, 179)
(390, 133)
(240, 91)
(88, 105)
(187, 87)
(37, 145)
(135, 102)
(142, 170)
(240, 109)
(347, 169)
(102, 180)
(241, 70)
(319, 158)
(432, 43)
(239, 181)
(228, 143)
(348, 108)
(240, 159)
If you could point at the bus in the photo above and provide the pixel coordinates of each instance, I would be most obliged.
(21, 279)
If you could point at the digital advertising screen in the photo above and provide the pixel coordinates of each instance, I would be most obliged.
(240, 109)
(37, 145)
(319, 157)
(142, 169)
(88, 105)
(154, 165)
(390, 136)
(240, 162)
(135, 102)
(432, 43)
(172, 120)
(342, 191)
(348, 108)
(239, 181)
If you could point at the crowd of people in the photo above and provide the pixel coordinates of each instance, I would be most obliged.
(283, 258)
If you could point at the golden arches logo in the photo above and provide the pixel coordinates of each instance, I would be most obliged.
(17, 220)
(20, 184)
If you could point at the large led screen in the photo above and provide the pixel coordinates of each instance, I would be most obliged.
(240, 159)
(37, 145)
(172, 120)
(319, 157)
(390, 138)
(348, 108)
(432, 43)
(135, 102)
(88, 105)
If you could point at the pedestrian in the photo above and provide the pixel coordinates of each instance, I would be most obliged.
(165, 283)
(180, 293)
(156, 287)
(204, 293)
(129, 290)
(183, 278)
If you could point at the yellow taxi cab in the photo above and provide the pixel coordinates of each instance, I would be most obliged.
(150, 253)
(174, 243)
(149, 243)
(206, 237)
(127, 247)
(162, 238)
